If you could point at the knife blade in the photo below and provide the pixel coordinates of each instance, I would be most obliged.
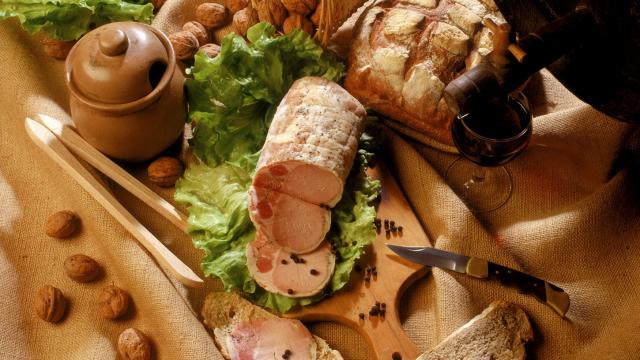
(544, 291)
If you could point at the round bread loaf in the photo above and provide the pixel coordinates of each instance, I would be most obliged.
(405, 52)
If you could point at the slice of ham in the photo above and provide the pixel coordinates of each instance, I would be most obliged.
(296, 225)
(263, 339)
(280, 271)
(312, 142)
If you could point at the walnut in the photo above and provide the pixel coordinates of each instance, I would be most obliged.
(244, 19)
(212, 50)
(82, 268)
(62, 224)
(296, 21)
(315, 17)
(185, 44)
(133, 344)
(197, 29)
(211, 15)
(271, 11)
(57, 49)
(236, 5)
(113, 302)
(50, 304)
(165, 171)
(302, 7)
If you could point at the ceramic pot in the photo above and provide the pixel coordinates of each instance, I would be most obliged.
(126, 92)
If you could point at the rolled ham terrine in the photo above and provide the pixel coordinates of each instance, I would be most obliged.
(312, 142)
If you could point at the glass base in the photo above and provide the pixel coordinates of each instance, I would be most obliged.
(481, 188)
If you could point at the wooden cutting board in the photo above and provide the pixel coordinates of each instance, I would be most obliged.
(394, 275)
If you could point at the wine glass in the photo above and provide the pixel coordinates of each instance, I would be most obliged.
(488, 137)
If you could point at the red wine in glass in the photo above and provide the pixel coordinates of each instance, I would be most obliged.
(492, 135)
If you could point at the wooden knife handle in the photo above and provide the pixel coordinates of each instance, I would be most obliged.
(546, 292)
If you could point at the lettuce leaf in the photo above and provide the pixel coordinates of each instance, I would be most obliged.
(70, 19)
(232, 99)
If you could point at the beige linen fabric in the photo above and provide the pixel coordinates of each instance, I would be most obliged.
(573, 219)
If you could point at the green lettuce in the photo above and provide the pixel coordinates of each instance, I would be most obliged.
(232, 98)
(70, 19)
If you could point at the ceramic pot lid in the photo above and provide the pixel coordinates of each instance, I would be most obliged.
(119, 62)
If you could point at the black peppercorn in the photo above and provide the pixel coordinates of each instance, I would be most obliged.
(313, 272)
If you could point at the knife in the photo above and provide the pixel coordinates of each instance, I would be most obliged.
(546, 292)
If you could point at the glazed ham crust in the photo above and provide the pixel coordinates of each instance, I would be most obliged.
(312, 142)
(404, 52)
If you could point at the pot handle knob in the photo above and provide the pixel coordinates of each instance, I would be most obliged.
(113, 42)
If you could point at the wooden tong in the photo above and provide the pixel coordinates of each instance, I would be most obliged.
(51, 138)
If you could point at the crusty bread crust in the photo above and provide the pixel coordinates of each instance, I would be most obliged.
(222, 311)
(500, 332)
(404, 52)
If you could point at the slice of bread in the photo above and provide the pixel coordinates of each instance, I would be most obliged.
(500, 332)
(222, 311)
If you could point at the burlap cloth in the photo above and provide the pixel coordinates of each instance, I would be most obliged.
(573, 219)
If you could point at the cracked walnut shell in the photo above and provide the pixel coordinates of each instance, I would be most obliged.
(133, 344)
(50, 304)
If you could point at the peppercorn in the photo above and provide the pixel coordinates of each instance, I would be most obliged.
(284, 262)
(314, 272)
(361, 316)
(290, 291)
(396, 356)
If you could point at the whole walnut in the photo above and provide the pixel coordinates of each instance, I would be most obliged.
(211, 15)
(236, 5)
(133, 344)
(212, 50)
(197, 29)
(82, 268)
(271, 11)
(302, 7)
(185, 44)
(296, 21)
(315, 17)
(113, 302)
(57, 49)
(62, 224)
(50, 304)
(244, 19)
(165, 171)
